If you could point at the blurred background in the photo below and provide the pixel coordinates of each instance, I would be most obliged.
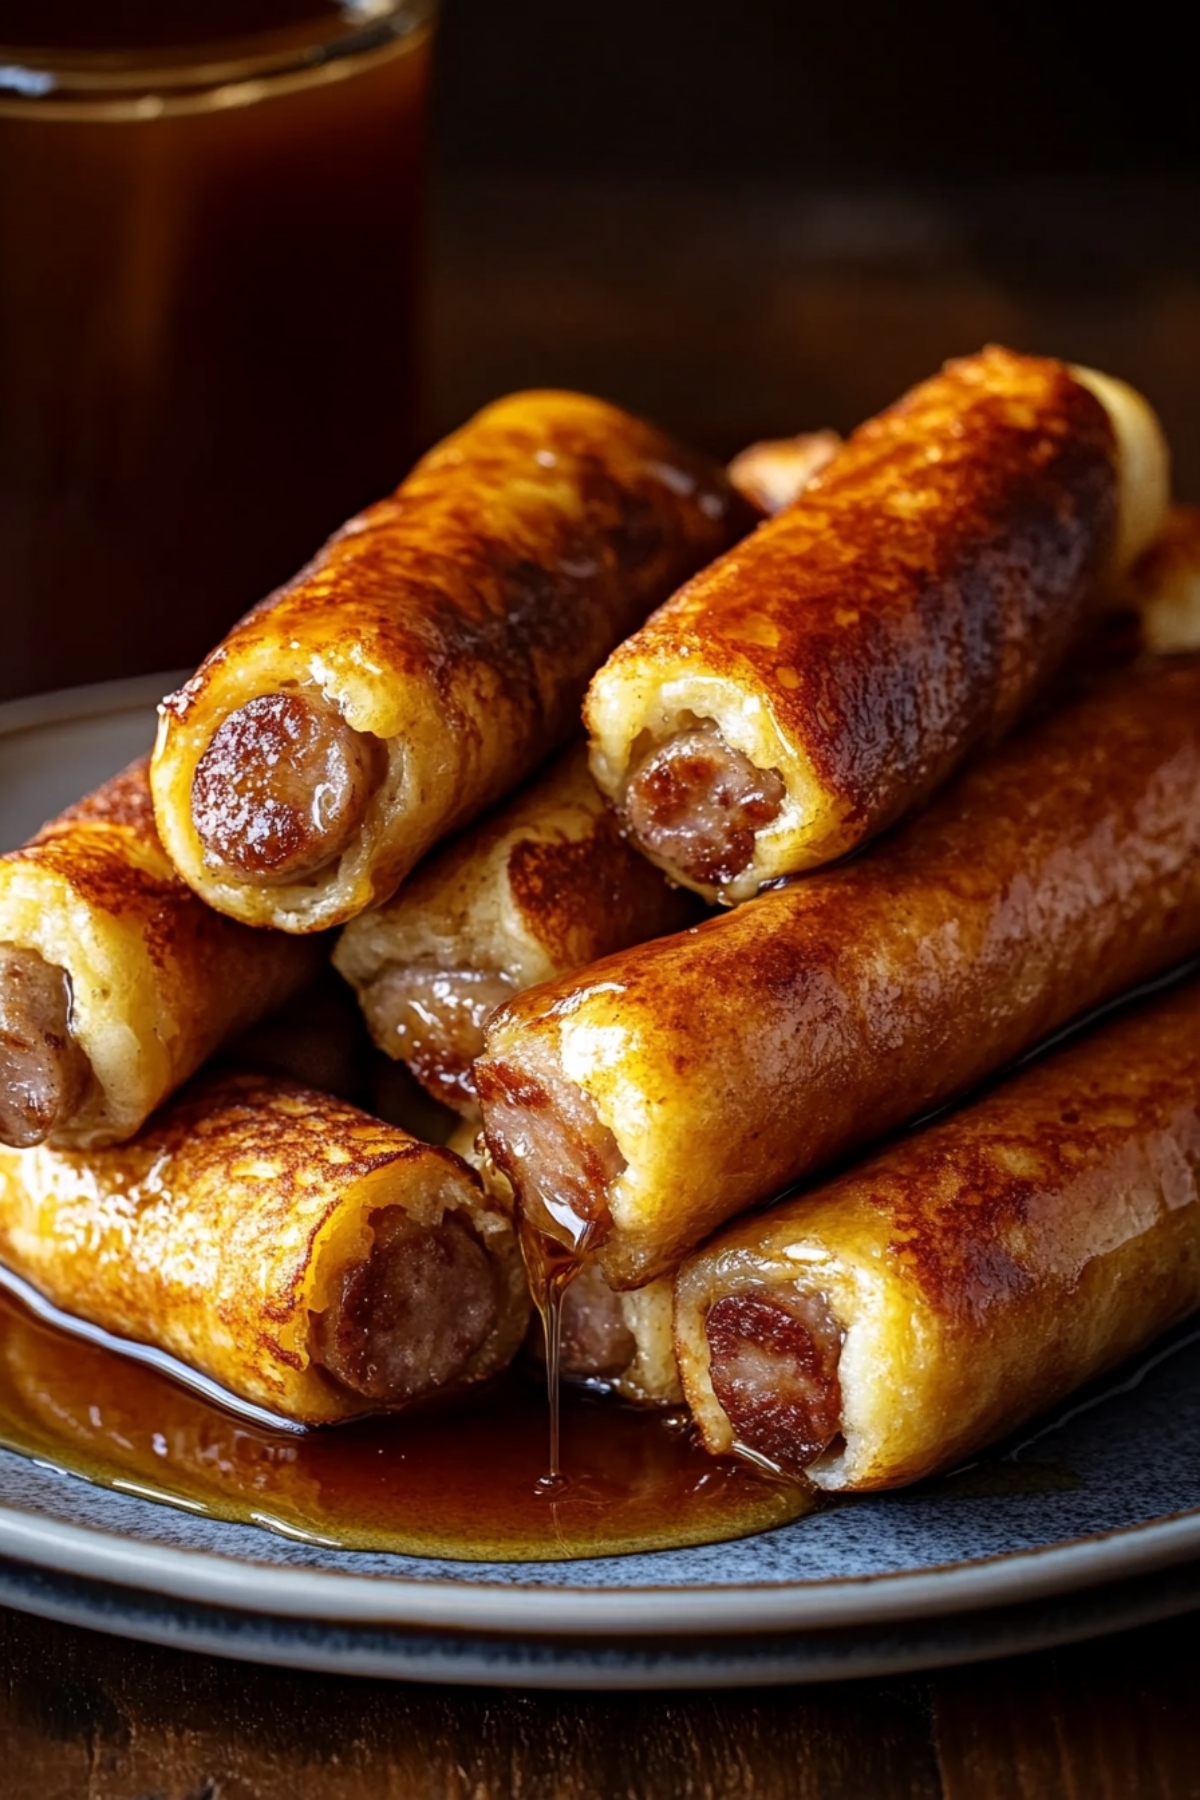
(751, 215)
(742, 217)
(874, 91)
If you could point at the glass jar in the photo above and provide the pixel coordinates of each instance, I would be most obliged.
(209, 253)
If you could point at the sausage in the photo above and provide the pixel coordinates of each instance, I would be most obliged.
(897, 1319)
(773, 1362)
(617, 1342)
(306, 1256)
(827, 676)
(433, 1020)
(621, 1342)
(698, 805)
(434, 652)
(282, 787)
(545, 884)
(638, 1104)
(43, 1073)
(595, 1342)
(116, 982)
(410, 1318)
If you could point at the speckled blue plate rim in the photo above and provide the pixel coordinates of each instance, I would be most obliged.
(462, 1658)
(257, 1586)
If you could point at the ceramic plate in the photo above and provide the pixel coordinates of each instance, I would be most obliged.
(1091, 1521)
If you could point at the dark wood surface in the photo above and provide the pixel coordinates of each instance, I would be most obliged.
(742, 311)
(82, 1715)
(728, 314)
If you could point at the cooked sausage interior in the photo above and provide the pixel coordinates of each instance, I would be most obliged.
(43, 1072)
(773, 1364)
(546, 1135)
(434, 1019)
(282, 788)
(409, 1317)
(595, 1342)
(696, 804)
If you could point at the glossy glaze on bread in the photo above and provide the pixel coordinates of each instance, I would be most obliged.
(827, 675)
(640, 1103)
(306, 1256)
(434, 652)
(887, 1324)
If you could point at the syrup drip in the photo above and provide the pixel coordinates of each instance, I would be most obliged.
(551, 1267)
(553, 1482)
(461, 1484)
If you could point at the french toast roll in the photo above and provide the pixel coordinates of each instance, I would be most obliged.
(434, 652)
(545, 884)
(116, 982)
(826, 676)
(883, 1326)
(306, 1256)
(638, 1104)
(622, 1342)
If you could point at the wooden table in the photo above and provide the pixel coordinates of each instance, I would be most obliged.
(728, 315)
(82, 1715)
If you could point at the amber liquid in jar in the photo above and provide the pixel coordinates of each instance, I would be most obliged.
(209, 225)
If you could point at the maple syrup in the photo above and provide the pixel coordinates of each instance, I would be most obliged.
(210, 214)
(465, 1484)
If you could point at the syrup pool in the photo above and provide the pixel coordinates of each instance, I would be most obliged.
(464, 1484)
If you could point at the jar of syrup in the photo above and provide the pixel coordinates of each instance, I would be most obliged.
(209, 248)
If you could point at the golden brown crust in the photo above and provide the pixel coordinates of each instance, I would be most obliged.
(983, 1267)
(586, 897)
(904, 610)
(221, 1228)
(124, 800)
(158, 980)
(458, 621)
(730, 1059)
